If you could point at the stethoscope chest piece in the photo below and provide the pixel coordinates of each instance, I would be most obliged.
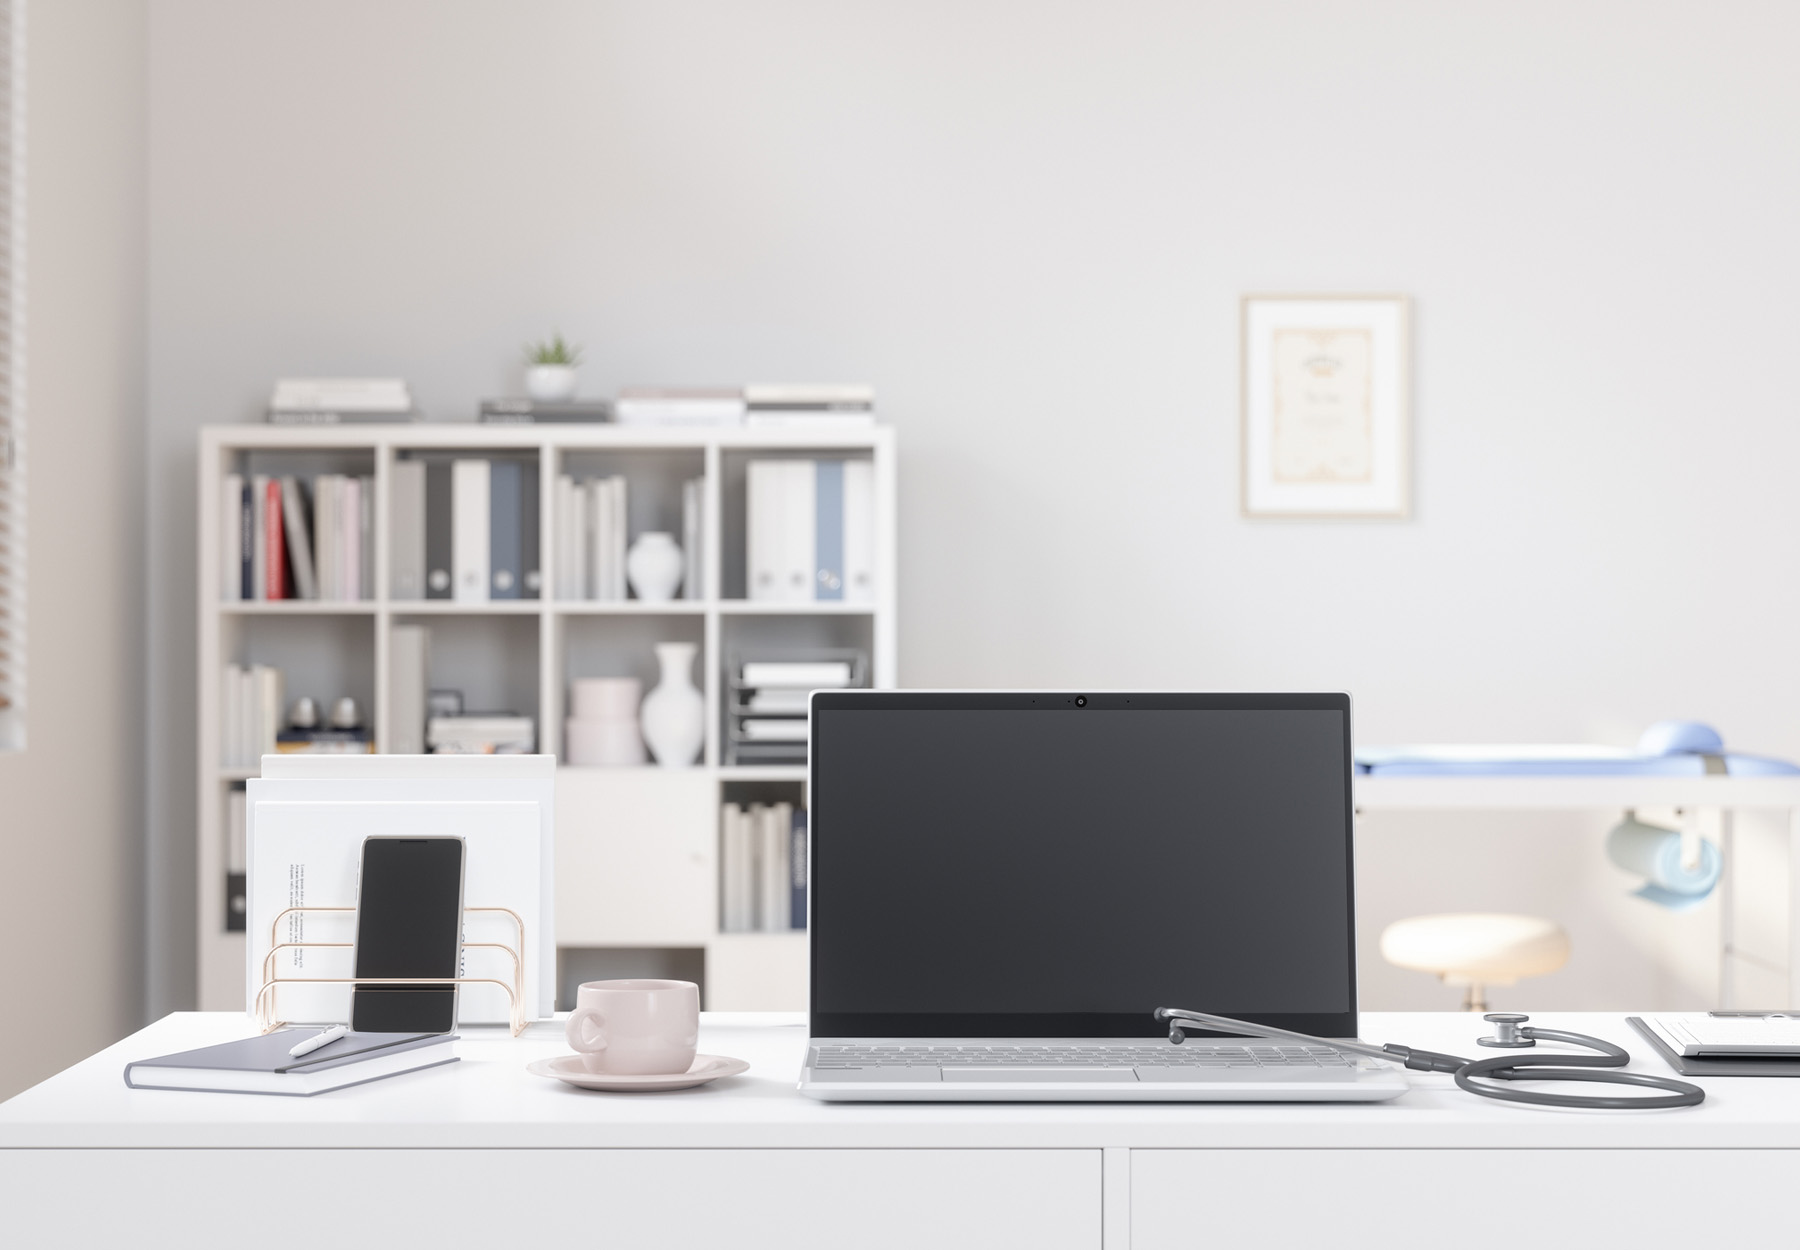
(1506, 1031)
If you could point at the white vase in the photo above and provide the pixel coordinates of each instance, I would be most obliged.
(674, 714)
(551, 382)
(654, 567)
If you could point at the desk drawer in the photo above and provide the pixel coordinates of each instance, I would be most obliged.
(1469, 1199)
(641, 1199)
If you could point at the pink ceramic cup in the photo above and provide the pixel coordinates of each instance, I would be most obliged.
(635, 1027)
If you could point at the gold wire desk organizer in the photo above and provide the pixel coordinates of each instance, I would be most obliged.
(272, 981)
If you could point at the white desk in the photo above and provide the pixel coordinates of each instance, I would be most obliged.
(483, 1152)
(1728, 795)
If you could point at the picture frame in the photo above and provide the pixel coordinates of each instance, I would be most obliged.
(1325, 407)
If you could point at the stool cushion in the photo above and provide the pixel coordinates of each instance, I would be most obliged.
(1484, 948)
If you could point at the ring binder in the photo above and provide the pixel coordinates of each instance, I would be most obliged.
(264, 1005)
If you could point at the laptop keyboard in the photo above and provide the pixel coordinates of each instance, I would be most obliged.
(1166, 1055)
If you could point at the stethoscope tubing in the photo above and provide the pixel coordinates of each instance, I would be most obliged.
(1486, 1077)
(1600, 1067)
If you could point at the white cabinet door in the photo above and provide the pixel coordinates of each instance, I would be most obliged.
(1467, 1199)
(642, 1199)
(635, 856)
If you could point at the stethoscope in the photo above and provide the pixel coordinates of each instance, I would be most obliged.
(1484, 1076)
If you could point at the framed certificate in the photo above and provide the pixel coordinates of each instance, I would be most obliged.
(1325, 406)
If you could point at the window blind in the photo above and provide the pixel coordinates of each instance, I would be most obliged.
(12, 378)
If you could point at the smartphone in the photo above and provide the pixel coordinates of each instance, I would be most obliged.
(409, 917)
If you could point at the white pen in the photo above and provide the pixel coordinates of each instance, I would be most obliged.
(319, 1039)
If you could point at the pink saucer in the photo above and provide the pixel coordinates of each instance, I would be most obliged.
(570, 1070)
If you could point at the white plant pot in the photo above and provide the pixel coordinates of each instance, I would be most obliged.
(654, 567)
(550, 382)
(674, 715)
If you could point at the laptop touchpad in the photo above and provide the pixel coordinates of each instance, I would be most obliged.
(1035, 1076)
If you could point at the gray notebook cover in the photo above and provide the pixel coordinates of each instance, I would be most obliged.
(269, 1052)
(1689, 1066)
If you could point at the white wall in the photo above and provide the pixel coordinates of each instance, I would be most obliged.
(1028, 225)
(71, 816)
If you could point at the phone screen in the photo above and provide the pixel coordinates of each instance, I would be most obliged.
(408, 924)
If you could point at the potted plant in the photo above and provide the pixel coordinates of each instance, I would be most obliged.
(550, 369)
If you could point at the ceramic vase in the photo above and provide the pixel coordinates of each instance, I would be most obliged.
(550, 382)
(674, 714)
(654, 567)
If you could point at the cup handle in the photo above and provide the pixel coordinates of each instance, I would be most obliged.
(576, 1030)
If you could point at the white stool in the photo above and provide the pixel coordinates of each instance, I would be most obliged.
(1477, 949)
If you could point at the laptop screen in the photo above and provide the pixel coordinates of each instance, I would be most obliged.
(1021, 865)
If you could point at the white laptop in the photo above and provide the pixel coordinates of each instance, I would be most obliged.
(1005, 886)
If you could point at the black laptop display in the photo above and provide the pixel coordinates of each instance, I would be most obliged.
(1050, 865)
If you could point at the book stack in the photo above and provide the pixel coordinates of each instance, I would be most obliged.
(295, 539)
(340, 401)
(811, 530)
(680, 405)
(544, 411)
(768, 712)
(465, 529)
(809, 406)
(252, 713)
(591, 530)
(480, 733)
(762, 882)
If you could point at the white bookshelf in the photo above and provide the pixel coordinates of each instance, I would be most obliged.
(637, 848)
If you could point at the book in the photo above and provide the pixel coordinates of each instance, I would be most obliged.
(438, 553)
(762, 521)
(565, 583)
(409, 681)
(540, 411)
(505, 541)
(480, 734)
(259, 542)
(599, 538)
(621, 537)
(732, 870)
(797, 870)
(247, 543)
(789, 729)
(262, 1064)
(775, 882)
(531, 528)
(780, 418)
(469, 536)
(803, 674)
(327, 512)
(407, 536)
(365, 532)
(859, 531)
(828, 528)
(274, 563)
(349, 535)
(809, 395)
(339, 416)
(581, 541)
(324, 742)
(693, 405)
(693, 566)
(341, 394)
(796, 566)
(299, 546)
(231, 538)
